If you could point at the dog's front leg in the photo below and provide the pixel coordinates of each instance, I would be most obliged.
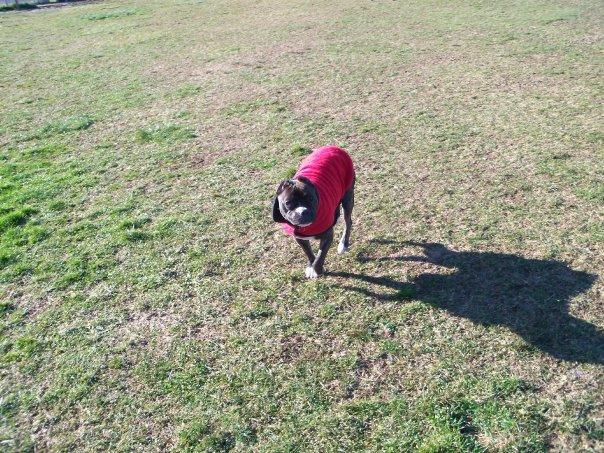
(316, 268)
(305, 244)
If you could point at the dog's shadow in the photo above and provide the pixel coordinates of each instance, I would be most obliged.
(528, 296)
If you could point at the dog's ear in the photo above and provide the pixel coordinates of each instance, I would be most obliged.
(285, 184)
(277, 217)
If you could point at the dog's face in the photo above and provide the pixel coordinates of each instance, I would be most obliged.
(296, 202)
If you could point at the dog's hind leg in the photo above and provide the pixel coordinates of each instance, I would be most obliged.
(347, 205)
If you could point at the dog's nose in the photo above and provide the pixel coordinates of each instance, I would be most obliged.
(300, 210)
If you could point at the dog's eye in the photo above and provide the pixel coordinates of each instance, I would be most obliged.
(289, 205)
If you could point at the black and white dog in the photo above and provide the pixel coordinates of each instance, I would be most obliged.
(308, 205)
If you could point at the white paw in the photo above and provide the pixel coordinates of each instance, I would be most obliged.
(311, 273)
(342, 248)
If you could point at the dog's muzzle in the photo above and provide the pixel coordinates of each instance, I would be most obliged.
(301, 216)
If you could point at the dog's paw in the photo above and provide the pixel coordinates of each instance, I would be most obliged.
(342, 248)
(311, 272)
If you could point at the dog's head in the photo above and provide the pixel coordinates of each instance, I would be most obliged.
(296, 202)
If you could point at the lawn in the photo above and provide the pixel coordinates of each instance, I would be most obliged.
(148, 302)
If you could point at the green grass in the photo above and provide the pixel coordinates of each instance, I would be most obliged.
(148, 302)
(111, 14)
(164, 134)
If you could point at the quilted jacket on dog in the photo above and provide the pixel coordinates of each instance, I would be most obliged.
(331, 171)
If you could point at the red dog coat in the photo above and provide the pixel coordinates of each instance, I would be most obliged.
(331, 171)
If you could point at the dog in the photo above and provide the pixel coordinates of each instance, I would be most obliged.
(308, 205)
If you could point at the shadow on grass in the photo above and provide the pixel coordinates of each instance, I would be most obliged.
(528, 296)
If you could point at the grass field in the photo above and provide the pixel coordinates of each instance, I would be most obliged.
(148, 302)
